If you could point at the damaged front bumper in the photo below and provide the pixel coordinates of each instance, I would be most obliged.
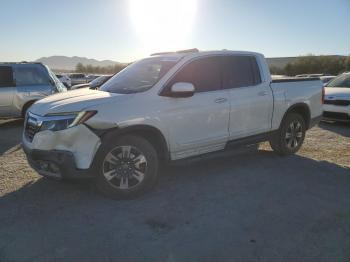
(67, 153)
(56, 164)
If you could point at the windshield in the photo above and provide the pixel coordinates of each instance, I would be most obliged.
(140, 76)
(340, 81)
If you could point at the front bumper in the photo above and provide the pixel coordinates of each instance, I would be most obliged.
(338, 113)
(67, 153)
(56, 163)
(81, 141)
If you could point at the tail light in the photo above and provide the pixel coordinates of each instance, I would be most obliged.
(323, 93)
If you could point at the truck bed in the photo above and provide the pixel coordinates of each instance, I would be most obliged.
(291, 91)
(294, 79)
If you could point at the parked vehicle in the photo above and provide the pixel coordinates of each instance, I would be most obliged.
(94, 84)
(309, 75)
(21, 84)
(164, 108)
(65, 79)
(278, 76)
(90, 78)
(337, 99)
(326, 79)
(77, 78)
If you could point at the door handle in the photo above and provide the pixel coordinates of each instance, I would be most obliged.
(262, 93)
(220, 100)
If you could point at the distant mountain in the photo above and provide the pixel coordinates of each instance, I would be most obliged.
(69, 63)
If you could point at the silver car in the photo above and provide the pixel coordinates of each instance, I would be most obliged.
(78, 78)
(21, 84)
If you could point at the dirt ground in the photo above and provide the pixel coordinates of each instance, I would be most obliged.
(246, 206)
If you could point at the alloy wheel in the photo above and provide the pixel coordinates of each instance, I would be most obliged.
(294, 134)
(124, 167)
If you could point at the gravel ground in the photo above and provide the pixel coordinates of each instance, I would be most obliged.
(247, 206)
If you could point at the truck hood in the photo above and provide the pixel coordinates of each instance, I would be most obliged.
(337, 92)
(72, 101)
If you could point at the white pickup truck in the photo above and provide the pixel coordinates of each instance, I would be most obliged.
(167, 107)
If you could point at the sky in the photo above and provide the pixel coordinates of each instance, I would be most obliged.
(125, 30)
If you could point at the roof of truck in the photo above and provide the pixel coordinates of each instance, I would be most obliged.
(194, 51)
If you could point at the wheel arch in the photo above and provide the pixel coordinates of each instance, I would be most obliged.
(301, 109)
(150, 133)
(26, 106)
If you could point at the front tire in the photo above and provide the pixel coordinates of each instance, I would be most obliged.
(290, 137)
(126, 167)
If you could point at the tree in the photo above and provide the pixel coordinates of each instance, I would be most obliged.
(79, 68)
(347, 64)
(276, 70)
(311, 64)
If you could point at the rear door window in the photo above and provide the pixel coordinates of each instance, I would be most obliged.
(30, 75)
(203, 73)
(240, 71)
(6, 76)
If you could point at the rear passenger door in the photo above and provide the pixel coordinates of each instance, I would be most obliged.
(251, 99)
(7, 90)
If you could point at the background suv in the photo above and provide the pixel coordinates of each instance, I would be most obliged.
(21, 84)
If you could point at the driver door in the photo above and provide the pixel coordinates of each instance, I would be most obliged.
(198, 124)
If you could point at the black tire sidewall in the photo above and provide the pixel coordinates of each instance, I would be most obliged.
(143, 146)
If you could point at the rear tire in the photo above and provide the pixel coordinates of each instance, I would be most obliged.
(290, 137)
(126, 167)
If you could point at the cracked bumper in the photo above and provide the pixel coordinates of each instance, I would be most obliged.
(55, 163)
(63, 154)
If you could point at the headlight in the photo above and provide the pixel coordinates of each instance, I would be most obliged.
(64, 121)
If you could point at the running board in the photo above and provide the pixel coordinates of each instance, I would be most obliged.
(250, 140)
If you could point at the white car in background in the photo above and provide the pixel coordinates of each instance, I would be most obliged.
(94, 84)
(337, 99)
(309, 75)
(65, 79)
(327, 79)
(90, 78)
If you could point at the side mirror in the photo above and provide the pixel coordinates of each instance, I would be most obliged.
(182, 89)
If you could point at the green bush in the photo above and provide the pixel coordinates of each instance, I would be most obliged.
(311, 64)
(89, 69)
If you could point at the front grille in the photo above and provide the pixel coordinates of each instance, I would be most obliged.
(336, 116)
(337, 102)
(32, 126)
